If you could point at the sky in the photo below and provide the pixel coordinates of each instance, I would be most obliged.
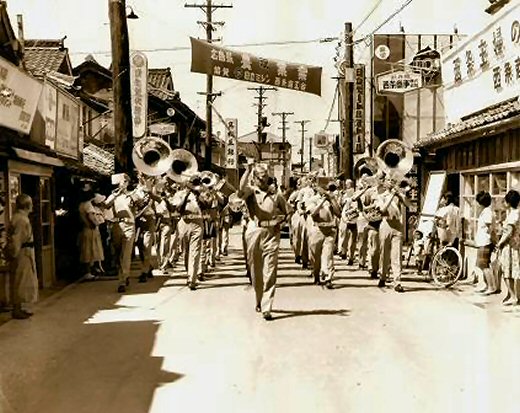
(167, 24)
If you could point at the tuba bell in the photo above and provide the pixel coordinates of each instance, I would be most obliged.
(366, 166)
(183, 166)
(395, 158)
(152, 156)
(208, 179)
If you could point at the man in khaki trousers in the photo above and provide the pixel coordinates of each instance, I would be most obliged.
(267, 209)
(190, 229)
(324, 211)
(123, 229)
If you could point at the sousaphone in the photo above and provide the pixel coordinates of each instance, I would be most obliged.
(152, 156)
(183, 166)
(395, 158)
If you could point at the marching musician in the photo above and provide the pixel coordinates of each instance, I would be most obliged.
(391, 200)
(186, 202)
(347, 229)
(123, 228)
(300, 225)
(323, 209)
(267, 211)
(145, 200)
(372, 214)
(164, 227)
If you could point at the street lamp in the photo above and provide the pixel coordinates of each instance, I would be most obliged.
(131, 15)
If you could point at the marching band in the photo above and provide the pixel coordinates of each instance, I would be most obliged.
(175, 210)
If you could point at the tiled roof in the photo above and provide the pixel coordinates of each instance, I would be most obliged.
(486, 117)
(98, 159)
(253, 137)
(161, 81)
(44, 56)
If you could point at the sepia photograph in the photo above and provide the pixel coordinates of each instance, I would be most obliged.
(276, 206)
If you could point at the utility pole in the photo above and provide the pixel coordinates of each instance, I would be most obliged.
(122, 110)
(283, 128)
(302, 130)
(210, 26)
(310, 154)
(262, 122)
(348, 96)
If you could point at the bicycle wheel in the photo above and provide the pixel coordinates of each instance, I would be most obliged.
(446, 266)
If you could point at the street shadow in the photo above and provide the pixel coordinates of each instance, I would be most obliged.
(302, 313)
(208, 286)
(336, 286)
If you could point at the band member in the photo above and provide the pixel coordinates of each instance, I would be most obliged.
(145, 220)
(323, 209)
(209, 207)
(164, 228)
(347, 229)
(362, 223)
(267, 211)
(124, 228)
(190, 228)
(372, 214)
(391, 232)
(300, 222)
(22, 265)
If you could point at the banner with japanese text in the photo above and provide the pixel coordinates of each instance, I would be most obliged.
(19, 96)
(215, 60)
(484, 70)
(358, 138)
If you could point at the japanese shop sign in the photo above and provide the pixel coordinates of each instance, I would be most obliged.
(231, 154)
(484, 70)
(19, 95)
(67, 125)
(399, 81)
(359, 109)
(139, 92)
(219, 61)
(47, 106)
(321, 140)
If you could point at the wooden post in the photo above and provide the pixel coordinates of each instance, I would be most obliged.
(122, 110)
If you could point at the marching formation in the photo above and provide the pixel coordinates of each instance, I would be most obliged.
(174, 210)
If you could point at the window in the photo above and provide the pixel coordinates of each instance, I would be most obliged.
(65, 112)
(497, 184)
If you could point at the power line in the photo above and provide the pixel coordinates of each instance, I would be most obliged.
(368, 15)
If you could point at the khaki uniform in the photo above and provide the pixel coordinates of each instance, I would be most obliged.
(322, 237)
(391, 238)
(347, 229)
(262, 237)
(190, 232)
(371, 198)
(123, 234)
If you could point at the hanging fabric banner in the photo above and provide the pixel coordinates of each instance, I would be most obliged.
(215, 60)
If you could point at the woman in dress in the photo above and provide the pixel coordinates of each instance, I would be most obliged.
(508, 249)
(89, 239)
(24, 281)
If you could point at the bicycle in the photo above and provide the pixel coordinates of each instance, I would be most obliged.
(443, 263)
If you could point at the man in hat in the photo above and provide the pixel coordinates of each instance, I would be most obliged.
(267, 210)
(347, 237)
(323, 209)
(124, 227)
(191, 227)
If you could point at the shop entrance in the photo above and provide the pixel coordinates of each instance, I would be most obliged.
(39, 189)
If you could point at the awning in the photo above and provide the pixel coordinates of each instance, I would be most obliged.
(37, 157)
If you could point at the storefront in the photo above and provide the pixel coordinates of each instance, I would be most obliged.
(480, 147)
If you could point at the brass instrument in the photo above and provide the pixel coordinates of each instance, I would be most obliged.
(152, 156)
(184, 166)
(394, 158)
(366, 166)
(372, 213)
(209, 179)
(235, 203)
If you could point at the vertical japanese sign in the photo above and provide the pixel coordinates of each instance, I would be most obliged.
(139, 92)
(67, 125)
(231, 154)
(358, 137)
(3, 219)
(219, 61)
(48, 108)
